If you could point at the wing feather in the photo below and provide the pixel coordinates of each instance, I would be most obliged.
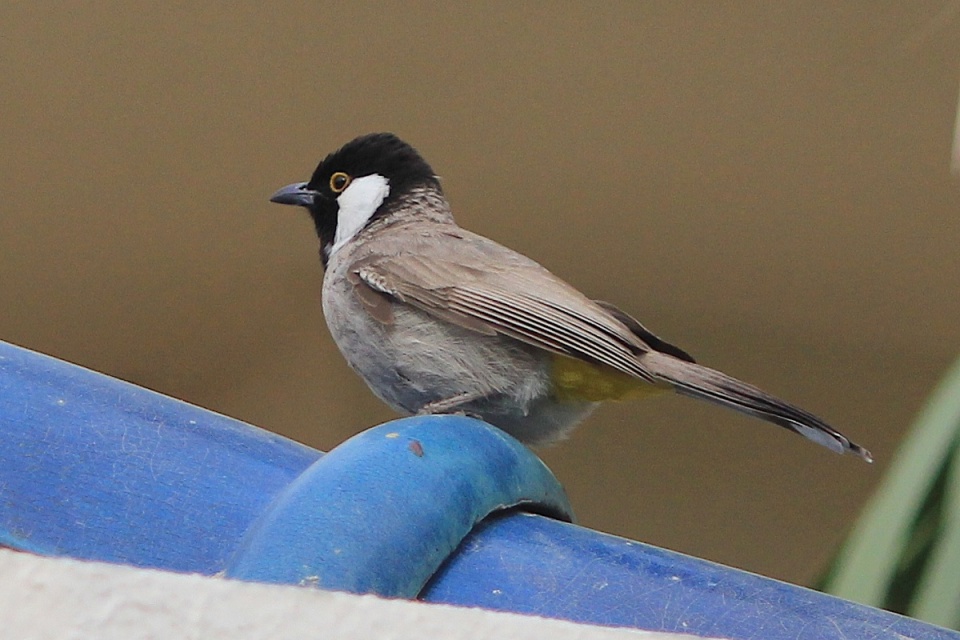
(551, 315)
(477, 284)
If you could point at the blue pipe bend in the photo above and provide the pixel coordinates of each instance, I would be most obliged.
(382, 512)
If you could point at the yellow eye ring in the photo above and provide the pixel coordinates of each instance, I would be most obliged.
(339, 181)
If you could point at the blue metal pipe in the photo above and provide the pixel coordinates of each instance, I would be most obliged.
(92, 467)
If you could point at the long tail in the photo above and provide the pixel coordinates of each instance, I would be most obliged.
(697, 381)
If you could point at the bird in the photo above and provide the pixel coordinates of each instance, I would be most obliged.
(437, 319)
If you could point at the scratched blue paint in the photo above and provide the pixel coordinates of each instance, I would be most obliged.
(92, 467)
(381, 512)
(534, 565)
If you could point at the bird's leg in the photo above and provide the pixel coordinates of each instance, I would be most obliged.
(452, 404)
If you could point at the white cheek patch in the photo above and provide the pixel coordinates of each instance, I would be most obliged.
(358, 203)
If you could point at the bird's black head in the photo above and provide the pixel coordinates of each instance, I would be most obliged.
(357, 184)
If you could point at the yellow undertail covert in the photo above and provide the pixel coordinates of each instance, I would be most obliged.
(580, 381)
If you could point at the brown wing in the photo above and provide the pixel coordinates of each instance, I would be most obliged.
(472, 281)
(645, 334)
(478, 284)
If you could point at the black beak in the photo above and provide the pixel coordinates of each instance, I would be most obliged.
(296, 193)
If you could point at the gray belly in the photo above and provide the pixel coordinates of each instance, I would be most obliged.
(417, 360)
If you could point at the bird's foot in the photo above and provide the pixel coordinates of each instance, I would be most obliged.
(451, 406)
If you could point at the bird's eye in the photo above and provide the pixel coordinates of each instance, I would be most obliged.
(339, 182)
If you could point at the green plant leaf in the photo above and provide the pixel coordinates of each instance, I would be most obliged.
(937, 596)
(875, 551)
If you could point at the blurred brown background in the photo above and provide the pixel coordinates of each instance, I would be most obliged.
(765, 184)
